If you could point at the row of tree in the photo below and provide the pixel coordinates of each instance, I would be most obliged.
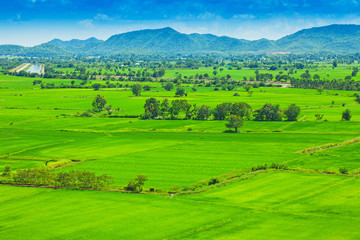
(71, 179)
(335, 84)
(156, 109)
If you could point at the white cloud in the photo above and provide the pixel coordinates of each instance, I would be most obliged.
(34, 1)
(101, 17)
(88, 23)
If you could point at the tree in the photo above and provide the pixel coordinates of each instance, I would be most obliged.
(96, 86)
(136, 89)
(204, 112)
(7, 171)
(357, 99)
(169, 86)
(136, 184)
(306, 75)
(234, 121)
(346, 115)
(164, 108)
(335, 64)
(241, 109)
(180, 92)
(221, 111)
(320, 90)
(292, 112)
(152, 107)
(247, 87)
(319, 116)
(108, 109)
(98, 103)
(268, 112)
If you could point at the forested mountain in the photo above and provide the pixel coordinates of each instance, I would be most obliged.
(77, 46)
(336, 38)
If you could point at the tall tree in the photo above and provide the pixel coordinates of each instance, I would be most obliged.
(152, 107)
(346, 115)
(292, 112)
(235, 122)
(268, 112)
(98, 103)
(136, 89)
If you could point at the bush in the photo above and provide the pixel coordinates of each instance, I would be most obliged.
(259, 167)
(213, 181)
(7, 171)
(279, 166)
(343, 170)
(72, 179)
(136, 184)
(346, 115)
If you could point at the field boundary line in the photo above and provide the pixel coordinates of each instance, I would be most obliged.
(312, 193)
(329, 146)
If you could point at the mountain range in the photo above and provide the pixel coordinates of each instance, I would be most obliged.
(334, 38)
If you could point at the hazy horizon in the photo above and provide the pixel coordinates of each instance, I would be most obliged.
(32, 22)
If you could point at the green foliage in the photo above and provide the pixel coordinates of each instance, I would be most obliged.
(247, 87)
(319, 116)
(241, 109)
(259, 167)
(234, 121)
(7, 171)
(169, 86)
(268, 112)
(272, 166)
(357, 99)
(136, 89)
(204, 112)
(98, 103)
(180, 92)
(346, 115)
(213, 181)
(292, 112)
(136, 184)
(320, 90)
(152, 108)
(96, 86)
(343, 170)
(71, 179)
(222, 111)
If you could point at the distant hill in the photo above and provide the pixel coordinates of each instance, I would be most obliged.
(336, 38)
(77, 46)
(10, 49)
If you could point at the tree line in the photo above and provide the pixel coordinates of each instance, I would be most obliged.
(71, 179)
(335, 84)
(182, 109)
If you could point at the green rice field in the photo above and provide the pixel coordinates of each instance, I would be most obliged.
(310, 199)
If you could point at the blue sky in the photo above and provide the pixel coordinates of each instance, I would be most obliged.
(31, 22)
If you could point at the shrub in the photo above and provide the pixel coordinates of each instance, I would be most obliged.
(259, 167)
(136, 184)
(343, 170)
(346, 115)
(213, 181)
(279, 166)
(7, 171)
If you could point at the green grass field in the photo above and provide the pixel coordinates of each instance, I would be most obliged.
(307, 202)
(278, 205)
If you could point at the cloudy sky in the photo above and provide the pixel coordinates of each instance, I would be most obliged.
(31, 22)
